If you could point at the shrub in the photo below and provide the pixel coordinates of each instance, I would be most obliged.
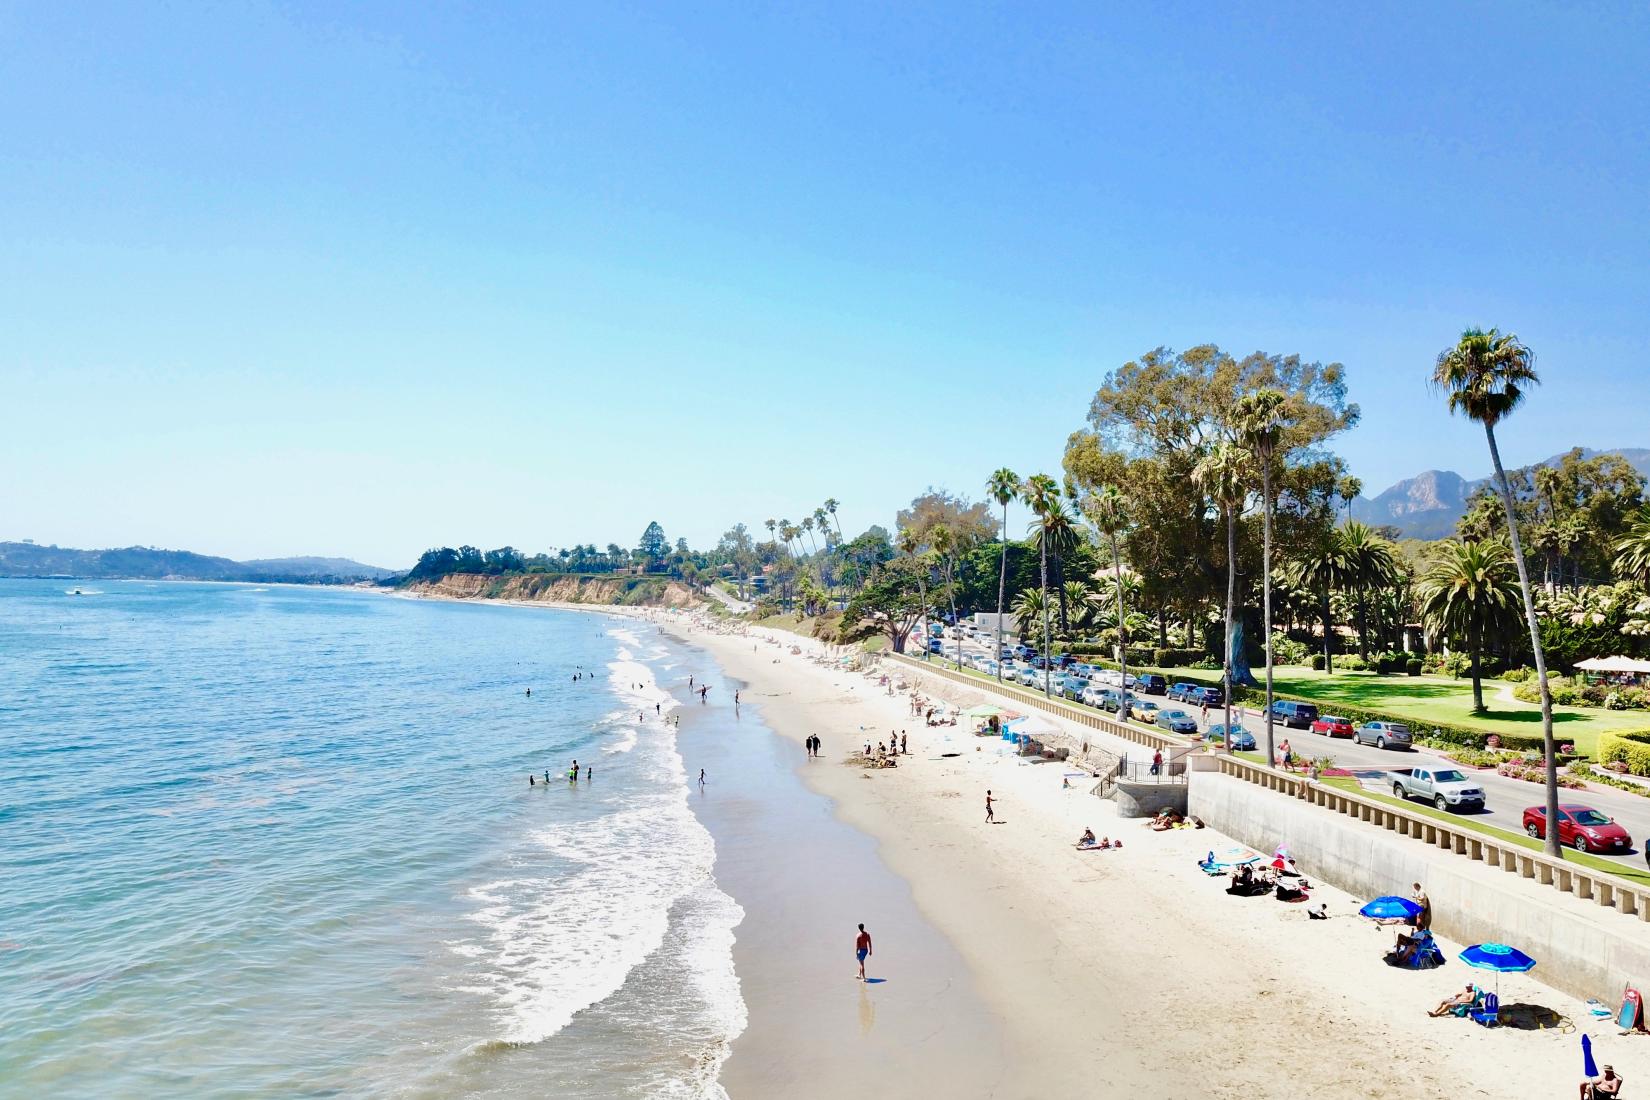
(1517, 675)
(1350, 662)
(1413, 666)
(1534, 773)
(1630, 747)
(1317, 662)
(1287, 651)
(1175, 658)
(1432, 663)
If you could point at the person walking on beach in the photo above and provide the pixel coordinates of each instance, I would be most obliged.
(990, 813)
(862, 949)
(701, 777)
(1157, 762)
(1423, 919)
(903, 747)
(702, 691)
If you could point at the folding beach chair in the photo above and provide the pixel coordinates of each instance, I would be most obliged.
(1490, 1014)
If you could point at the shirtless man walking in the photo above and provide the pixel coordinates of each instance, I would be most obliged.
(990, 815)
(862, 949)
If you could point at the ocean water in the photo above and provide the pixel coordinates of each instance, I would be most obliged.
(279, 842)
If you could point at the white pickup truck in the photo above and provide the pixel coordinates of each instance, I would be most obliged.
(1445, 788)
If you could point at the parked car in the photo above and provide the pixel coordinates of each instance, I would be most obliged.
(1180, 691)
(1204, 696)
(1072, 685)
(1382, 735)
(1298, 715)
(1581, 827)
(936, 645)
(1176, 721)
(1331, 726)
(1151, 684)
(1144, 710)
(1090, 695)
(1445, 788)
(1031, 677)
(1241, 738)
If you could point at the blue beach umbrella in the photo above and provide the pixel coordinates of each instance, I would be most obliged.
(1499, 958)
(1391, 907)
(1588, 1068)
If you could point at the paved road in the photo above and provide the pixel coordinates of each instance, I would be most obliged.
(1505, 798)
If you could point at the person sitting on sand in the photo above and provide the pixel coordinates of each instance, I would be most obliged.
(1087, 839)
(1168, 819)
(1464, 999)
(1606, 1086)
(1320, 913)
(1403, 952)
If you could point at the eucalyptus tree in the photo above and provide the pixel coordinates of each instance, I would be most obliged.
(1468, 593)
(1042, 495)
(1220, 474)
(1108, 512)
(948, 546)
(1485, 376)
(1261, 420)
(908, 542)
(1004, 487)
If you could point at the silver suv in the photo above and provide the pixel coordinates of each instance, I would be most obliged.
(1382, 735)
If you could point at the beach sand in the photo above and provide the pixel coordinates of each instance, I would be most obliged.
(1109, 973)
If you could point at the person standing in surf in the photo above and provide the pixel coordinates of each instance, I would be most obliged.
(862, 949)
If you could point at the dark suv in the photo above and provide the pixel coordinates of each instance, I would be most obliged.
(1151, 684)
(1203, 696)
(1299, 715)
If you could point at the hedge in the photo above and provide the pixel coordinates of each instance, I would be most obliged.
(1632, 747)
(1172, 658)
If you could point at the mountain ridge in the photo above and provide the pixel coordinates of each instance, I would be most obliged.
(1428, 505)
(28, 559)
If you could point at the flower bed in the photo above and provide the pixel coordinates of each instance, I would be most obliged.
(1535, 773)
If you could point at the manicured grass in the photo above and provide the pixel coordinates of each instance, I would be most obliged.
(1504, 836)
(1441, 700)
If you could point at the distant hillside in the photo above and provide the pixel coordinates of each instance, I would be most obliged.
(25, 559)
(1428, 505)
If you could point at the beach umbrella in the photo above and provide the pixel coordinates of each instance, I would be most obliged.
(983, 710)
(1588, 1068)
(1390, 908)
(1499, 958)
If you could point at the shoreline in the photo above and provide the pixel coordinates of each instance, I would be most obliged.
(1114, 973)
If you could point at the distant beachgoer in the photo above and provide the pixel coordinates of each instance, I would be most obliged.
(690, 681)
(903, 747)
(1322, 913)
(736, 698)
(701, 777)
(702, 691)
(547, 775)
(1087, 839)
(862, 949)
(1606, 1086)
(529, 693)
(532, 781)
(655, 708)
(990, 812)
(1157, 762)
(589, 773)
(1205, 712)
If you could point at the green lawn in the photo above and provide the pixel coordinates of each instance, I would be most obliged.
(1438, 699)
(1505, 836)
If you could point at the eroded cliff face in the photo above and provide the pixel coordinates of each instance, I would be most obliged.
(620, 590)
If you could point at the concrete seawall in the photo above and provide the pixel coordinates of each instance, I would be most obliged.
(1579, 947)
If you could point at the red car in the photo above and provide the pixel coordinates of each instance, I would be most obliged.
(1331, 726)
(1581, 827)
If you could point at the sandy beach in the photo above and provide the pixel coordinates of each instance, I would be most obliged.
(1120, 972)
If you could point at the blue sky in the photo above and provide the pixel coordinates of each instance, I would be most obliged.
(361, 280)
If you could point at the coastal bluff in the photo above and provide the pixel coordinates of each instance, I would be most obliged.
(611, 590)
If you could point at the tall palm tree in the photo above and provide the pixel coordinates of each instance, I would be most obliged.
(1323, 570)
(831, 505)
(1004, 486)
(1059, 530)
(1485, 375)
(808, 529)
(1633, 548)
(1081, 599)
(1108, 511)
(1347, 488)
(1467, 593)
(823, 522)
(1371, 562)
(771, 524)
(1042, 494)
(1261, 420)
(1220, 475)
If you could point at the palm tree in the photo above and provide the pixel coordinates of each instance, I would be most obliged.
(1467, 593)
(831, 505)
(1347, 488)
(1109, 513)
(1485, 375)
(1080, 598)
(808, 529)
(1004, 486)
(1220, 475)
(1323, 569)
(823, 522)
(1030, 605)
(1042, 494)
(1633, 548)
(1261, 420)
(1371, 562)
(770, 525)
(1059, 529)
